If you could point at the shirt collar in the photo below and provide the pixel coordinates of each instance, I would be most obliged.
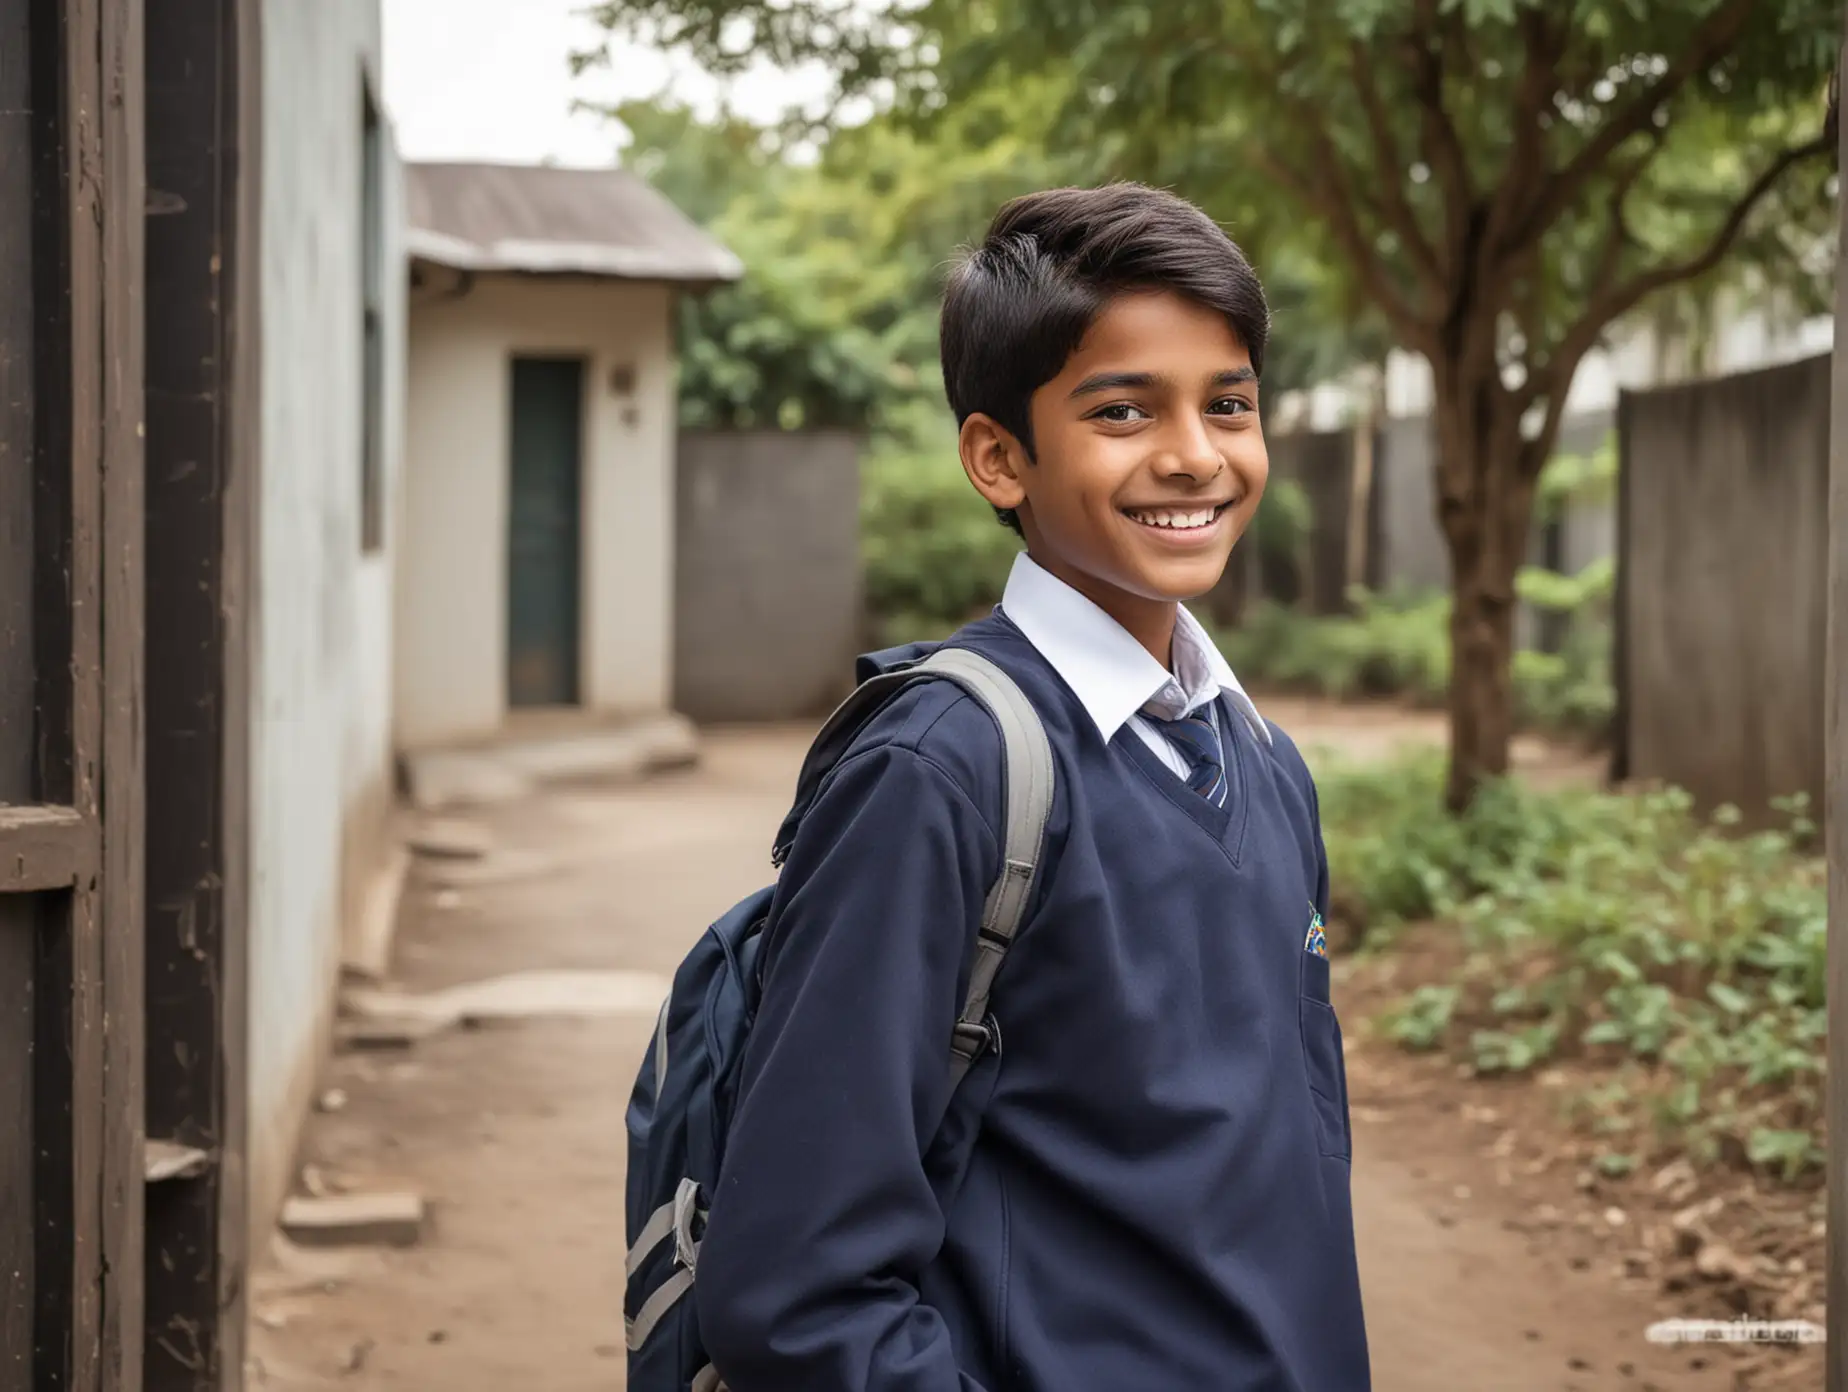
(1112, 675)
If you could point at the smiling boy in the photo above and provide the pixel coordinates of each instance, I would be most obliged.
(1144, 1184)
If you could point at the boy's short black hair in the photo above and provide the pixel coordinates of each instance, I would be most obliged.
(1016, 307)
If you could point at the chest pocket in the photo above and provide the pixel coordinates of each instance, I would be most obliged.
(1322, 1056)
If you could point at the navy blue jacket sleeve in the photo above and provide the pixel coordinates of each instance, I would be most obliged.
(824, 1217)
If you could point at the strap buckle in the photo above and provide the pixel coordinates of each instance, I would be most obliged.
(687, 1213)
(972, 1039)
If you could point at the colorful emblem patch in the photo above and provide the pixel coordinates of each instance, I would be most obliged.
(1317, 939)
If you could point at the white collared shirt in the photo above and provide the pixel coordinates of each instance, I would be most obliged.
(1111, 673)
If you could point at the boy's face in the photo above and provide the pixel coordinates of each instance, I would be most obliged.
(1149, 458)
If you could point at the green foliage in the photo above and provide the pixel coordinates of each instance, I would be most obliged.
(1612, 927)
(1422, 1020)
(1607, 143)
(1491, 183)
(1392, 644)
(1577, 479)
(1284, 519)
(1398, 644)
(813, 337)
(1569, 691)
(934, 554)
(1392, 862)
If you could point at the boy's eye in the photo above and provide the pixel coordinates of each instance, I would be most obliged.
(1121, 413)
(1229, 406)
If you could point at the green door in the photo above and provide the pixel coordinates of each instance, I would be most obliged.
(543, 532)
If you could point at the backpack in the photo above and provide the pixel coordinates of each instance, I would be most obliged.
(682, 1102)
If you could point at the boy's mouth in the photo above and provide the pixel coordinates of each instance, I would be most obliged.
(1182, 520)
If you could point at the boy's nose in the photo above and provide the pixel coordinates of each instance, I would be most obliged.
(1191, 452)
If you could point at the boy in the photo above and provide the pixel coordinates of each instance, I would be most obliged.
(1143, 1186)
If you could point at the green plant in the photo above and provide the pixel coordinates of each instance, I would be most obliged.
(1422, 1020)
(933, 554)
(1398, 644)
(1577, 478)
(1623, 929)
(1284, 519)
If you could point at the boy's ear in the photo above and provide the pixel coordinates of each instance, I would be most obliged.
(994, 461)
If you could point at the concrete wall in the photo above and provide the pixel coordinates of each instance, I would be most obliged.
(1722, 586)
(320, 746)
(1408, 546)
(450, 681)
(1322, 463)
(1751, 332)
(767, 591)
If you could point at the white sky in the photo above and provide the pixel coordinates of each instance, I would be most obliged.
(489, 80)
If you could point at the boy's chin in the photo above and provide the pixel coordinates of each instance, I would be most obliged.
(1181, 581)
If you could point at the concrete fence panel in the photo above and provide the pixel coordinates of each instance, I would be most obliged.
(1722, 584)
(767, 593)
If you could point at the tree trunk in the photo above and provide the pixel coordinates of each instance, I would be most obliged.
(1485, 506)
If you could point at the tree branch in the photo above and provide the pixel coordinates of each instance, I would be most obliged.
(1612, 302)
(1329, 198)
(1438, 138)
(1397, 210)
(1543, 43)
(1554, 193)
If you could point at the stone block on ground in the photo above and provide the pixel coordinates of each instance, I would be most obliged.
(519, 995)
(513, 767)
(449, 838)
(388, 1219)
(503, 867)
(367, 945)
(369, 1033)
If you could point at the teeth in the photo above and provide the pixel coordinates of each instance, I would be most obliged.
(1169, 517)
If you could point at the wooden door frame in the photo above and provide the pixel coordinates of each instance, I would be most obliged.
(79, 843)
(203, 454)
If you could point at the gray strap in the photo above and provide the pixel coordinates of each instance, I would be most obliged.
(1028, 792)
(666, 1296)
(707, 1380)
(661, 1048)
(659, 1228)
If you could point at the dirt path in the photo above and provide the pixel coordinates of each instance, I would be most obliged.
(515, 1132)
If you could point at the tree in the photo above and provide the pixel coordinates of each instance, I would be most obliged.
(1499, 180)
(835, 323)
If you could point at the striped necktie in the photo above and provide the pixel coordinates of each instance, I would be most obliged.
(1197, 735)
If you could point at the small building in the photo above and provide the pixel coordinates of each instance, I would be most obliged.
(536, 569)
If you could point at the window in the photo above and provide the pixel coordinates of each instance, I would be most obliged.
(372, 352)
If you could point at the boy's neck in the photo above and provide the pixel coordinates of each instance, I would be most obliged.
(1149, 621)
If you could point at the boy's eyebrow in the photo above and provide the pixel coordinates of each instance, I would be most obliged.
(1134, 381)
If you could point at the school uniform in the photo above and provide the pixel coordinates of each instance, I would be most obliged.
(1146, 1186)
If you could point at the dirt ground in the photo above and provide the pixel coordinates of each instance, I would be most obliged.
(515, 1133)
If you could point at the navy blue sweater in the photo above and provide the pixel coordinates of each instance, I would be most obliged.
(1147, 1188)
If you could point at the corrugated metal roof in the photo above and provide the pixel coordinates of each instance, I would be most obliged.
(600, 222)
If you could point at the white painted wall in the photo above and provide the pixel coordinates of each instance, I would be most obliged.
(452, 587)
(320, 746)
(1749, 337)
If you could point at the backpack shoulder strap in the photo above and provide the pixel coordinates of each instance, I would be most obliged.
(1027, 789)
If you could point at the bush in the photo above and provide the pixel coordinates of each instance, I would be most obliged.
(933, 553)
(1398, 644)
(1569, 691)
(1622, 929)
(1393, 644)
